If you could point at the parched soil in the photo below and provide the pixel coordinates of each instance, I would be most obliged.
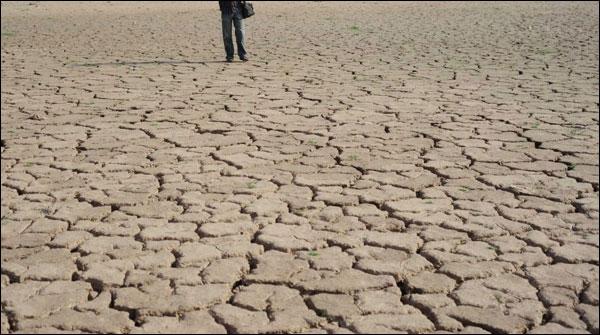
(375, 167)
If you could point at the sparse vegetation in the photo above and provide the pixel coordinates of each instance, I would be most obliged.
(546, 51)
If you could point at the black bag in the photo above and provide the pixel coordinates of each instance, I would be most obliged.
(247, 9)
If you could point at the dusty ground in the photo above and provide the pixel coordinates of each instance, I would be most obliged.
(374, 168)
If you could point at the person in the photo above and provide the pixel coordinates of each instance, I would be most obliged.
(231, 12)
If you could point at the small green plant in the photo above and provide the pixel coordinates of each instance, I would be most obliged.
(313, 253)
(535, 125)
(361, 78)
(355, 28)
(429, 202)
(576, 131)
(251, 184)
(312, 142)
(7, 33)
(465, 189)
(571, 166)
(546, 51)
(352, 157)
(493, 247)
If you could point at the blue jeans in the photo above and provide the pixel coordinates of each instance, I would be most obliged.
(238, 23)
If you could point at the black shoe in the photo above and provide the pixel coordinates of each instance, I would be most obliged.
(229, 60)
(244, 59)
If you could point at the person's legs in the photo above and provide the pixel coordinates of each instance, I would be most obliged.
(238, 22)
(227, 37)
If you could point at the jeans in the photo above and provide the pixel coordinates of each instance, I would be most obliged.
(238, 23)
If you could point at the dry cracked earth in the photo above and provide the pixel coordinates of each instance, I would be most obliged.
(380, 167)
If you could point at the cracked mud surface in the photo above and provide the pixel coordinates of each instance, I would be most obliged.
(378, 167)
